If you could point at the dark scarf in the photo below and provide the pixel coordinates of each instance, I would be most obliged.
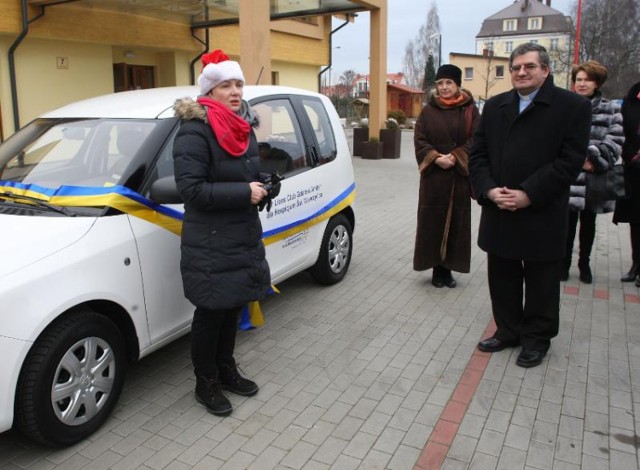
(230, 129)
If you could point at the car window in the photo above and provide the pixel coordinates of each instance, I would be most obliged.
(279, 137)
(322, 128)
(89, 152)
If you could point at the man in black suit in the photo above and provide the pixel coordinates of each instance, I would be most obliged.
(528, 148)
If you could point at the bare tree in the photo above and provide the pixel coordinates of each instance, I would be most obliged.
(344, 88)
(610, 34)
(417, 51)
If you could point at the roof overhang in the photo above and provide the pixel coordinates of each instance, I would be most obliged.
(209, 13)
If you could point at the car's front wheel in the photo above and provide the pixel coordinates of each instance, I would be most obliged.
(335, 252)
(71, 379)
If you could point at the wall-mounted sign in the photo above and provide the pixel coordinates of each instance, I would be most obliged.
(62, 62)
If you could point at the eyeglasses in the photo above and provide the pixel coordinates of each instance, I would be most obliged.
(527, 67)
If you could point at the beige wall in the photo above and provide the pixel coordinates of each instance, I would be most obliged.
(42, 86)
(296, 75)
(483, 72)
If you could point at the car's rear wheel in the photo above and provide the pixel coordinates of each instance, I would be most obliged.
(335, 252)
(71, 379)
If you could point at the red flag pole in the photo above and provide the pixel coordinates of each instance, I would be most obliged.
(576, 53)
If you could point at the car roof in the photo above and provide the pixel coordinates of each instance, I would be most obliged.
(152, 103)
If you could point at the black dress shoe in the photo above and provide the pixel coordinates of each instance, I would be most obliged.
(450, 282)
(437, 282)
(530, 357)
(632, 274)
(493, 344)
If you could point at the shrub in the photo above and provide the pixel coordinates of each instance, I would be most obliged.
(399, 116)
(391, 123)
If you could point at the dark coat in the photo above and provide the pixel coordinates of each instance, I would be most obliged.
(443, 235)
(605, 148)
(539, 151)
(628, 209)
(223, 261)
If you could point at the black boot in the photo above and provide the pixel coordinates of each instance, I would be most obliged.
(209, 393)
(632, 274)
(437, 279)
(585, 271)
(448, 279)
(231, 380)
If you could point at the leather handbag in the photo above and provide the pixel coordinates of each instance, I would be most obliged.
(606, 186)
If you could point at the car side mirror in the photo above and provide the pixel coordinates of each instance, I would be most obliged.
(164, 191)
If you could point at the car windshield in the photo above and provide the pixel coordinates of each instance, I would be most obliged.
(73, 152)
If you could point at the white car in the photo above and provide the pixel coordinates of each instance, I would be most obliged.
(90, 251)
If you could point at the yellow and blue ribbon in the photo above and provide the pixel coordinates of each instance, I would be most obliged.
(134, 204)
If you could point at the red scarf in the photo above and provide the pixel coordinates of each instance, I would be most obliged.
(230, 129)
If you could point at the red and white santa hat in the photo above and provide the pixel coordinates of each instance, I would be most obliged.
(217, 68)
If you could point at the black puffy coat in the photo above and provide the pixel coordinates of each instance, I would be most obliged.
(223, 261)
(539, 151)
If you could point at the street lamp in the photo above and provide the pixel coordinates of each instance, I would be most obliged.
(439, 36)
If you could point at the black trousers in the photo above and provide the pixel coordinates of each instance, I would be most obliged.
(586, 235)
(525, 297)
(635, 242)
(213, 339)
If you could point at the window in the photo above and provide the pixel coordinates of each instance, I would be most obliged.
(322, 129)
(534, 41)
(553, 66)
(499, 71)
(279, 137)
(508, 46)
(488, 45)
(509, 25)
(554, 44)
(468, 73)
(133, 77)
(535, 23)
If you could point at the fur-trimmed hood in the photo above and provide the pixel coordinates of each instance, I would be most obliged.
(188, 109)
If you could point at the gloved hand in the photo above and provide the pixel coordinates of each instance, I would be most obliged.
(272, 186)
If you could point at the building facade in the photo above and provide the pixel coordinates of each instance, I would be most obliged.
(484, 75)
(55, 52)
(530, 21)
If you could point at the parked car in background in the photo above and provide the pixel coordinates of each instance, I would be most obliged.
(90, 276)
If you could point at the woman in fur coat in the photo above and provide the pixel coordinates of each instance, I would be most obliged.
(442, 139)
(605, 148)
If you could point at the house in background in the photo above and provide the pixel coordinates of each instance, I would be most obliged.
(404, 98)
(529, 21)
(483, 75)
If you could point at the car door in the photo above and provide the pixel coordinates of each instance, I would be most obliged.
(169, 313)
(287, 146)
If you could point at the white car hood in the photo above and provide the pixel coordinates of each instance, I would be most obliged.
(25, 240)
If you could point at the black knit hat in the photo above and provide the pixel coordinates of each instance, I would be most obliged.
(449, 71)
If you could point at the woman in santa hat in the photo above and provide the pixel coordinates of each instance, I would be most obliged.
(223, 261)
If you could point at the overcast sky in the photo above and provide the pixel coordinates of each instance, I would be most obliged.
(460, 21)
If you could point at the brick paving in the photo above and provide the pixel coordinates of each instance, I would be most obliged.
(381, 371)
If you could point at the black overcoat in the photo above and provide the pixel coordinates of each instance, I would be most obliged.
(223, 261)
(628, 209)
(539, 151)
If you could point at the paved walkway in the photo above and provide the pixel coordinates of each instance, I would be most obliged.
(381, 371)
